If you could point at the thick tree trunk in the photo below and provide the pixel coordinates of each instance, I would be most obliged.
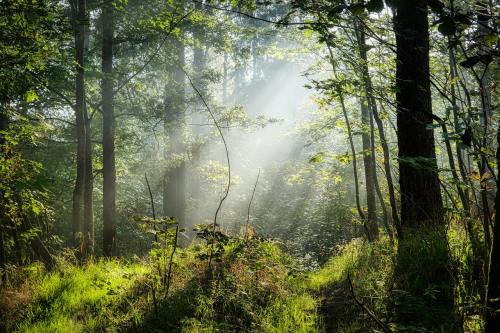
(174, 186)
(108, 133)
(78, 192)
(421, 201)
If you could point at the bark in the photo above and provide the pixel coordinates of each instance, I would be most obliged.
(340, 95)
(479, 252)
(421, 201)
(78, 192)
(108, 133)
(367, 106)
(3, 255)
(174, 187)
(88, 204)
(225, 79)
(354, 167)
(385, 216)
(42, 253)
(198, 54)
(483, 81)
(369, 166)
(195, 180)
(372, 104)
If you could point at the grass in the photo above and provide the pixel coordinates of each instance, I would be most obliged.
(251, 289)
(81, 298)
(255, 287)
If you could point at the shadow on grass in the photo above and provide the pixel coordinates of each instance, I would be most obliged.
(172, 312)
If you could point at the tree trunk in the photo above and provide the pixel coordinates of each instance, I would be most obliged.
(3, 255)
(174, 186)
(340, 95)
(369, 165)
(492, 318)
(421, 201)
(367, 105)
(108, 133)
(380, 196)
(88, 204)
(78, 192)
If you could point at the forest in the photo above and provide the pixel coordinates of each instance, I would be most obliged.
(249, 166)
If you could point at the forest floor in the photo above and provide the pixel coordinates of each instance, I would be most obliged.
(253, 286)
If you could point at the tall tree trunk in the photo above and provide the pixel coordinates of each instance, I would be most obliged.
(225, 79)
(369, 165)
(3, 250)
(385, 217)
(79, 17)
(421, 201)
(492, 318)
(88, 203)
(372, 104)
(340, 94)
(483, 81)
(174, 187)
(368, 104)
(195, 181)
(3, 255)
(108, 133)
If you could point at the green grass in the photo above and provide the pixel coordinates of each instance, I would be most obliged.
(255, 287)
(252, 288)
(81, 298)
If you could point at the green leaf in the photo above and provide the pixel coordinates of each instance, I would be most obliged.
(317, 158)
(490, 39)
(30, 96)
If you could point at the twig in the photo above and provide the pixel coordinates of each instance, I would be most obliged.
(381, 324)
(152, 207)
(229, 10)
(52, 90)
(154, 54)
(153, 294)
(219, 129)
(169, 275)
(250, 204)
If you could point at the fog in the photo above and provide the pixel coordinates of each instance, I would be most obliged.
(278, 101)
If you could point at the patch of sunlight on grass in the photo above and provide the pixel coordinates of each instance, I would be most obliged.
(295, 313)
(61, 300)
(336, 269)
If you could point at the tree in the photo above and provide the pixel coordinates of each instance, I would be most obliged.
(108, 132)
(492, 318)
(421, 201)
(79, 23)
(174, 186)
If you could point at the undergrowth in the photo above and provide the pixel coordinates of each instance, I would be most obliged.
(252, 286)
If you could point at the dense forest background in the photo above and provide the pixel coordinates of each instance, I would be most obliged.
(249, 166)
